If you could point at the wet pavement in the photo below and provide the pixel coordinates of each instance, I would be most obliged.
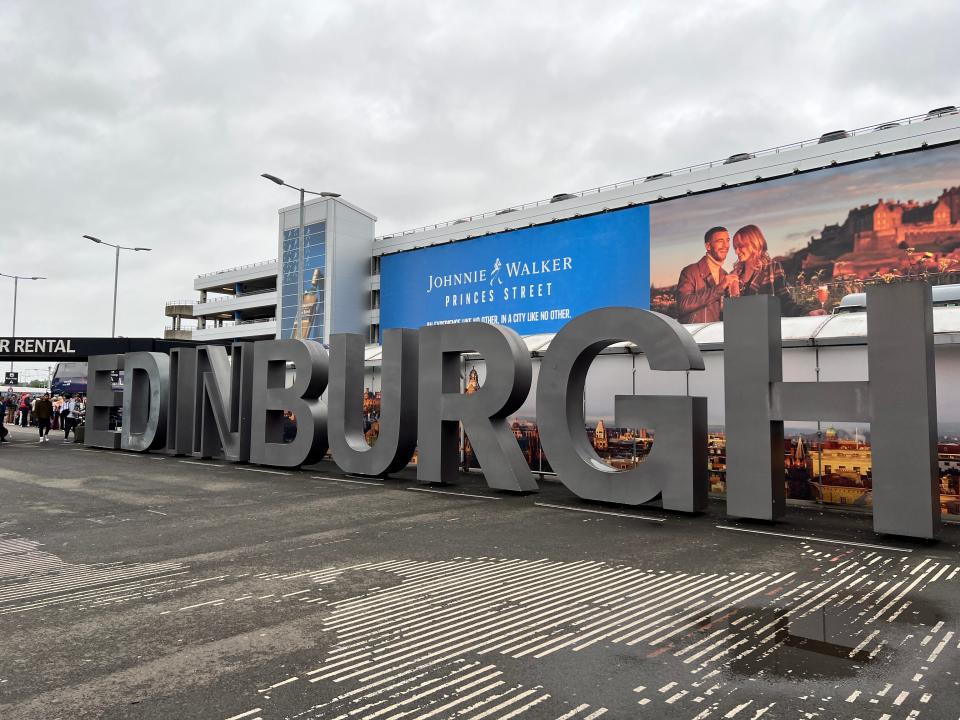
(148, 586)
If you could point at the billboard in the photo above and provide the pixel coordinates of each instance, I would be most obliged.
(533, 280)
(301, 302)
(810, 238)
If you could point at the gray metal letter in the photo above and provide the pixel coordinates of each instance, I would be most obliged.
(903, 429)
(183, 400)
(483, 414)
(146, 389)
(756, 487)
(398, 418)
(102, 400)
(271, 397)
(899, 401)
(677, 465)
(224, 397)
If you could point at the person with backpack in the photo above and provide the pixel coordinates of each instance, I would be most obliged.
(25, 410)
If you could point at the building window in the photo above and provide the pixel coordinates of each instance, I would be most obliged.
(375, 299)
(375, 265)
(375, 333)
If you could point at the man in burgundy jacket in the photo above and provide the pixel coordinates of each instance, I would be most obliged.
(703, 285)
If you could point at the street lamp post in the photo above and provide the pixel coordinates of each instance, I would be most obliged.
(116, 272)
(16, 284)
(300, 241)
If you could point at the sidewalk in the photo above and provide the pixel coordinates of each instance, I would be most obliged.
(19, 435)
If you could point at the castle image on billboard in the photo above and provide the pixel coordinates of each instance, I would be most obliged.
(809, 240)
(888, 237)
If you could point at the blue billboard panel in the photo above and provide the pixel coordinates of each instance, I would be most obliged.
(534, 279)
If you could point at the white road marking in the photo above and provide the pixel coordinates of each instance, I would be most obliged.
(459, 494)
(575, 711)
(937, 650)
(209, 602)
(814, 539)
(279, 684)
(245, 714)
(600, 512)
(345, 480)
(260, 470)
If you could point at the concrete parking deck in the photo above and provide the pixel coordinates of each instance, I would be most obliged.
(148, 586)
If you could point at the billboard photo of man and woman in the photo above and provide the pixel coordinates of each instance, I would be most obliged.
(809, 239)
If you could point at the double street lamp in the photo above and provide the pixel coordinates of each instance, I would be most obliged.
(303, 192)
(116, 271)
(16, 282)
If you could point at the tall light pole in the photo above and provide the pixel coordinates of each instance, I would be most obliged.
(116, 272)
(300, 242)
(16, 283)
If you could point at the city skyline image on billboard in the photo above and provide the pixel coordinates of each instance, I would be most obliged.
(810, 239)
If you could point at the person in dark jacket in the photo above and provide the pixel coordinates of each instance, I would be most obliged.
(43, 411)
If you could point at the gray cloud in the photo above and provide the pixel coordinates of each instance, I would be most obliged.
(149, 123)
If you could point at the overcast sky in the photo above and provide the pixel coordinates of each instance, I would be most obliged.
(148, 123)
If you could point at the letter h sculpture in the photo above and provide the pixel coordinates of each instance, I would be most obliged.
(899, 402)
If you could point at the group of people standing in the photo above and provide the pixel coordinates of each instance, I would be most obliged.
(44, 412)
(704, 285)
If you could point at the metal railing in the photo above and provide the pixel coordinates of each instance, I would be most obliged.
(234, 323)
(234, 297)
(664, 174)
(239, 267)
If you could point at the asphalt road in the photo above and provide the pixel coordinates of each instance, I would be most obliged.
(148, 586)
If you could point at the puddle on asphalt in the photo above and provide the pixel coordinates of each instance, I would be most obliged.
(818, 646)
(825, 643)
